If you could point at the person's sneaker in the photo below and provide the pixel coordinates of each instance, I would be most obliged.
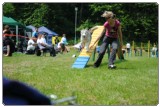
(111, 66)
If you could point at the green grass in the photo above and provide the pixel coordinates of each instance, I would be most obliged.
(134, 82)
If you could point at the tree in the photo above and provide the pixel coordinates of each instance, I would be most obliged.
(139, 20)
(8, 9)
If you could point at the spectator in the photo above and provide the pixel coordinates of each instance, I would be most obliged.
(35, 33)
(64, 40)
(56, 41)
(62, 48)
(128, 46)
(8, 44)
(31, 46)
(44, 46)
(6, 30)
(37, 48)
(154, 51)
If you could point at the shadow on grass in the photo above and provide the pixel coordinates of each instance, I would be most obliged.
(120, 61)
(116, 62)
(124, 68)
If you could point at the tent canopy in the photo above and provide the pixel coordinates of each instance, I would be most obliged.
(46, 30)
(31, 27)
(11, 21)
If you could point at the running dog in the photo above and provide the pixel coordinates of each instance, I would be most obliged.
(86, 37)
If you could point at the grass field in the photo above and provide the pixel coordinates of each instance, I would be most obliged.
(134, 82)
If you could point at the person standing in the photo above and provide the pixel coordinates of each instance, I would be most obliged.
(6, 30)
(8, 44)
(112, 29)
(64, 43)
(35, 33)
(128, 46)
(64, 39)
(154, 51)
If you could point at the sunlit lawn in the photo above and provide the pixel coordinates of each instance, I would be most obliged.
(134, 82)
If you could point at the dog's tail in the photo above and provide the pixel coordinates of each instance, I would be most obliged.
(93, 28)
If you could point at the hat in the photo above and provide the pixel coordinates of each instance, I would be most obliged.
(107, 14)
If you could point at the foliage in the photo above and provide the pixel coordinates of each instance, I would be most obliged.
(8, 8)
(87, 24)
(139, 20)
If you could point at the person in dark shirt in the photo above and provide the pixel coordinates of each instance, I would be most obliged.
(6, 30)
(7, 42)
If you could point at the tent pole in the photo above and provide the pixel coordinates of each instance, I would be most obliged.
(17, 33)
(25, 35)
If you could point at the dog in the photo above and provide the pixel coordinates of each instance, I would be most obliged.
(86, 37)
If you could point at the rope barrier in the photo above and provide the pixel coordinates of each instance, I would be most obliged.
(12, 35)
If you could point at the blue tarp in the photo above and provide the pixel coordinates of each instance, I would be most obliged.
(46, 30)
(31, 27)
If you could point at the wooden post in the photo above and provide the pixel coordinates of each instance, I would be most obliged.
(134, 49)
(17, 34)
